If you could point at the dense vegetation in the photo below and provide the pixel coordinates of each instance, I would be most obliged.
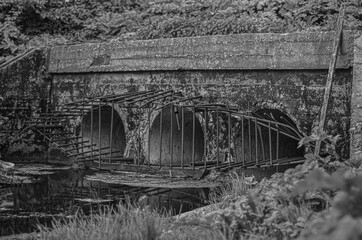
(30, 23)
(325, 205)
(308, 202)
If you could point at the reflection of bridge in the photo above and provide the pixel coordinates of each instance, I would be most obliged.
(171, 132)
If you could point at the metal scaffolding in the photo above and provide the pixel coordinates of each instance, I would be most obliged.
(231, 139)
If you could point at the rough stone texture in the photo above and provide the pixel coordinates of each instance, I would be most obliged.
(253, 71)
(356, 102)
(297, 93)
(239, 51)
(24, 78)
(24, 92)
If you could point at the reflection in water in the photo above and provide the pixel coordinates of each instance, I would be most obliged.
(63, 193)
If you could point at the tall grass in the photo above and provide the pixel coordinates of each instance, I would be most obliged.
(128, 223)
(123, 222)
(238, 210)
(235, 187)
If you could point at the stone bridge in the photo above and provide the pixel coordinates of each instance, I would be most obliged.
(279, 74)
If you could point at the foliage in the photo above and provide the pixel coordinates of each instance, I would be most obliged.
(329, 141)
(27, 142)
(286, 206)
(11, 40)
(305, 202)
(344, 218)
(35, 22)
(271, 209)
(263, 211)
(282, 207)
(121, 223)
(328, 158)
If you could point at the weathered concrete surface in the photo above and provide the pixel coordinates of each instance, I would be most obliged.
(253, 71)
(356, 102)
(24, 92)
(297, 93)
(25, 76)
(240, 51)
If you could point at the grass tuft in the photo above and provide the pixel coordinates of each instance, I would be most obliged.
(123, 222)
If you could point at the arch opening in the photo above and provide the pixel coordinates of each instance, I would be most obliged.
(161, 149)
(258, 143)
(103, 140)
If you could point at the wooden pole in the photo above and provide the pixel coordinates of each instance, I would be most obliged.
(111, 135)
(99, 132)
(331, 70)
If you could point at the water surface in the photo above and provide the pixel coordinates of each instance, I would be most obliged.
(40, 193)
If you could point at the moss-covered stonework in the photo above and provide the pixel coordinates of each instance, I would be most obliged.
(24, 77)
(24, 93)
(297, 93)
(356, 103)
(251, 71)
(307, 50)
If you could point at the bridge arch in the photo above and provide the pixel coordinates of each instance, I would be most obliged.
(282, 107)
(105, 126)
(160, 141)
(257, 142)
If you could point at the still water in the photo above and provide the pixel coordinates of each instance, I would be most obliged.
(60, 192)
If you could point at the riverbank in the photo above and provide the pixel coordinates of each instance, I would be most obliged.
(306, 202)
(34, 194)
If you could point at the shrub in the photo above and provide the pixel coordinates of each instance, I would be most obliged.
(84, 20)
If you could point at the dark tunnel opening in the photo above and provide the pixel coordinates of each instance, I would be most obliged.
(167, 137)
(91, 133)
(261, 144)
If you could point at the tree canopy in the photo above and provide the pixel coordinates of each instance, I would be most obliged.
(32, 23)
